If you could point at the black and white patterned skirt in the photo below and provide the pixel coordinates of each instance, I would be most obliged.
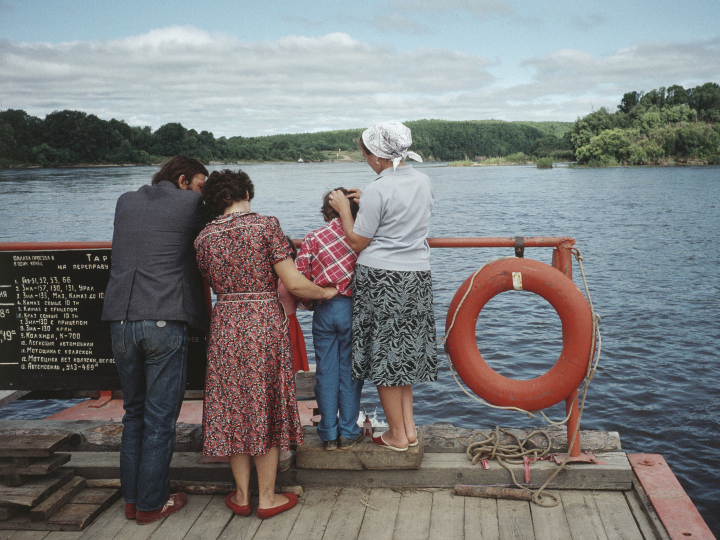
(393, 327)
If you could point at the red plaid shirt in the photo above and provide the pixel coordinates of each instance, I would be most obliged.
(327, 259)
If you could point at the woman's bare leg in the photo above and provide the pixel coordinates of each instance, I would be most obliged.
(266, 466)
(407, 412)
(240, 465)
(391, 399)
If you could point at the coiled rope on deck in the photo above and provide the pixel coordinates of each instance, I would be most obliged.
(498, 451)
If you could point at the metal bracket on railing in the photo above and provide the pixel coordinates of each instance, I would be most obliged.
(519, 247)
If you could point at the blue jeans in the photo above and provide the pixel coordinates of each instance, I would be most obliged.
(335, 390)
(151, 359)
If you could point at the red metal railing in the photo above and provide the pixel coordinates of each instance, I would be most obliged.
(561, 259)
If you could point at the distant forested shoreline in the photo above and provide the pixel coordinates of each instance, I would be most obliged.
(664, 126)
(66, 138)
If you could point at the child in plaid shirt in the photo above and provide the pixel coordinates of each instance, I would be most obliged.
(326, 259)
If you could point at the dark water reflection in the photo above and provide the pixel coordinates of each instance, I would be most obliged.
(647, 236)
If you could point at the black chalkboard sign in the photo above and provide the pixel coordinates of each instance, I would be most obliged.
(51, 335)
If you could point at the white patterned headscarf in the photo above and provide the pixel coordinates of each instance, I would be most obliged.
(390, 140)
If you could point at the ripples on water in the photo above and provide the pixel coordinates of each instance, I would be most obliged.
(647, 236)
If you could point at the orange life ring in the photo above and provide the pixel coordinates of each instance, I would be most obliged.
(575, 315)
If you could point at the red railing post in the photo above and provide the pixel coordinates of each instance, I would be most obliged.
(572, 409)
(562, 257)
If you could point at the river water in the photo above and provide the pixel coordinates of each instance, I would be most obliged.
(651, 260)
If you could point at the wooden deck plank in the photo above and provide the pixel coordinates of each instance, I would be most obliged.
(616, 517)
(582, 515)
(57, 500)
(36, 490)
(241, 528)
(413, 520)
(380, 515)
(36, 467)
(645, 503)
(641, 518)
(348, 514)
(63, 535)
(279, 526)
(31, 445)
(212, 521)
(23, 535)
(447, 518)
(177, 525)
(107, 525)
(515, 520)
(6, 512)
(317, 506)
(549, 522)
(481, 521)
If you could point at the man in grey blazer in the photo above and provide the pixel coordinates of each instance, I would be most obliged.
(155, 292)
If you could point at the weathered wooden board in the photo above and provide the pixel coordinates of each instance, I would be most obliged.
(550, 522)
(213, 520)
(34, 466)
(279, 526)
(413, 519)
(481, 520)
(348, 514)
(108, 524)
(447, 519)
(582, 515)
(36, 489)
(57, 500)
(73, 516)
(645, 505)
(31, 445)
(617, 519)
(14, 480)
(317, 507)
(363, 456)
(379, 521)
(515, 520)
(6, 512)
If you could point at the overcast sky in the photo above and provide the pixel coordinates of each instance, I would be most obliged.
(276, 66)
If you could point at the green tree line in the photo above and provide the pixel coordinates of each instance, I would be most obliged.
(663, 126)
(74, 137)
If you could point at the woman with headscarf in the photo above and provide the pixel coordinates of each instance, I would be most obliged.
(393, 322)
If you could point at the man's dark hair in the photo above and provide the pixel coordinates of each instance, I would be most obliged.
(330, 213)
(223, 188)
(178, 166)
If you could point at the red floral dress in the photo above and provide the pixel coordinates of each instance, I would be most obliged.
(250, 403)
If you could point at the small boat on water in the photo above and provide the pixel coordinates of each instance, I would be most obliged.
(51, 341)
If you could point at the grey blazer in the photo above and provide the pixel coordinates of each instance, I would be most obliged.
(153, 274)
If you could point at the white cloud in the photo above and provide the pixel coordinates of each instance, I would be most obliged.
(643, 67)
(296, 84)
(218, 83)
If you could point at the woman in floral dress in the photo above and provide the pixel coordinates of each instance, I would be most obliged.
(250, 408)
